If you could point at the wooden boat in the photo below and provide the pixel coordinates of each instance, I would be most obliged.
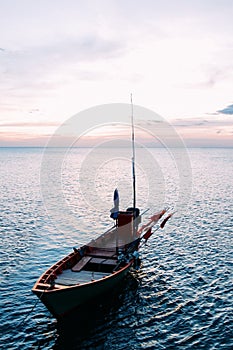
(95, 268)
(91, 270)
(99, 266)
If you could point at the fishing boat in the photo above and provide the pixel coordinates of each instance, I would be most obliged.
(98, 267)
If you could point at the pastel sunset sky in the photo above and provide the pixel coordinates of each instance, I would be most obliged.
(60, 57)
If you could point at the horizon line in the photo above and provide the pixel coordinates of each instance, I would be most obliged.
(90, 147)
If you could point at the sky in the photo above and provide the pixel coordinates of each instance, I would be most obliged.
(60, 57)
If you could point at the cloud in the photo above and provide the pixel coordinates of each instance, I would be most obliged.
(199, 123)
(211, 131)
(65, 58)
(46, 68)
(67, 50)
(228, 110)
(213, 78)
(29, 124)
(194, 122)
(12, 139)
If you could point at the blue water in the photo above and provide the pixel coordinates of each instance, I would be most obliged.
(182, 297)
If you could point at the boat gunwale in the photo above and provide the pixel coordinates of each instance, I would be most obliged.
(58, 267)
(51, 290)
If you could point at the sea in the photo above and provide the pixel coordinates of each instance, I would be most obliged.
(55, 199)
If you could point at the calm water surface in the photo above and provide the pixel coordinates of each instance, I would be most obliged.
(182, 297)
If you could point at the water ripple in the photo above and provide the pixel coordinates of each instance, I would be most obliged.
(180, 299)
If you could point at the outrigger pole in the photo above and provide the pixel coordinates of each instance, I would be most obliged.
(133, 155)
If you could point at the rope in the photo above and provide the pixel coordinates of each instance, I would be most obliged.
(32, 309)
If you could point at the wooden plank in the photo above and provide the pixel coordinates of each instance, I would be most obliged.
(81, 263)
(103, 253)
(70, 278)
(103, 261)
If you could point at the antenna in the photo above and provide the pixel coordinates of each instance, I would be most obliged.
(133, 155)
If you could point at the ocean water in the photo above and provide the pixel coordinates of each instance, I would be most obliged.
(182, 296)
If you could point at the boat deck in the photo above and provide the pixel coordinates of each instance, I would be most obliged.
(71, 278)
(87, 269)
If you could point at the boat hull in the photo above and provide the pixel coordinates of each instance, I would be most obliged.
(61, 302)
(90, 271)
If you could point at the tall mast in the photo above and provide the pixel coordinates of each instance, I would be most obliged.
(133, 154)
